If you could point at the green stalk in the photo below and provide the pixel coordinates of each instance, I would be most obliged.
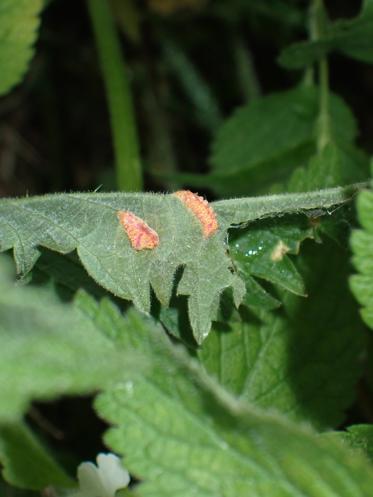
(318, 22)
(246, 74)
(119, 98)
(324, 135)
(195, 87)
(309, 72)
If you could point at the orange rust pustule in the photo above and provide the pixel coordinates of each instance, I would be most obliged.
(201, 209)
(139, 233)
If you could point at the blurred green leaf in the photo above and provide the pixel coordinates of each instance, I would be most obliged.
(269, 129)
(67, 271)
(43, 340)
(282, 12)
(197, 440)
(332, 166)
(19, 23)
(353, 37)
(26, 463)
(10, 491)
(362, 247)
(304, 53)
(263, 142)
(281, 360)
(358, 437)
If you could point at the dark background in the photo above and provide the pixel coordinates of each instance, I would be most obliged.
(54, 127)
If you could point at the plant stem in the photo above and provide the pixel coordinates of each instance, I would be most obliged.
(318, 22)
(118, 94)
(160, 157)
(324, 133)
(246, 74)
(195, 87)
(309, 73)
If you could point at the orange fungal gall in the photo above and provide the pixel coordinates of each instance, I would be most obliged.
(201, 209)
(139, 233)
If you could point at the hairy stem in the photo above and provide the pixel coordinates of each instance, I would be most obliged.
(118, 94)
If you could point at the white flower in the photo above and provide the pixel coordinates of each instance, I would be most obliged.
(102, 480)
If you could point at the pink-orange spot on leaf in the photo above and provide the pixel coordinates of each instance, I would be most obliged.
(201, 209)
(139, 233)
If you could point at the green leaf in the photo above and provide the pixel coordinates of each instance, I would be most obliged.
(353, 37)
(264, 141)
(359, 437)
(10, 491)
(281, 360)
(362, 247)
(262, 251)
(88, 223)
(67, 271)
(304, 53)
(280, 13)
(26, 463)
(19, 22)
(45, 338)
(334, 165)
(183, 435)
(237, 211)
(257, 297)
